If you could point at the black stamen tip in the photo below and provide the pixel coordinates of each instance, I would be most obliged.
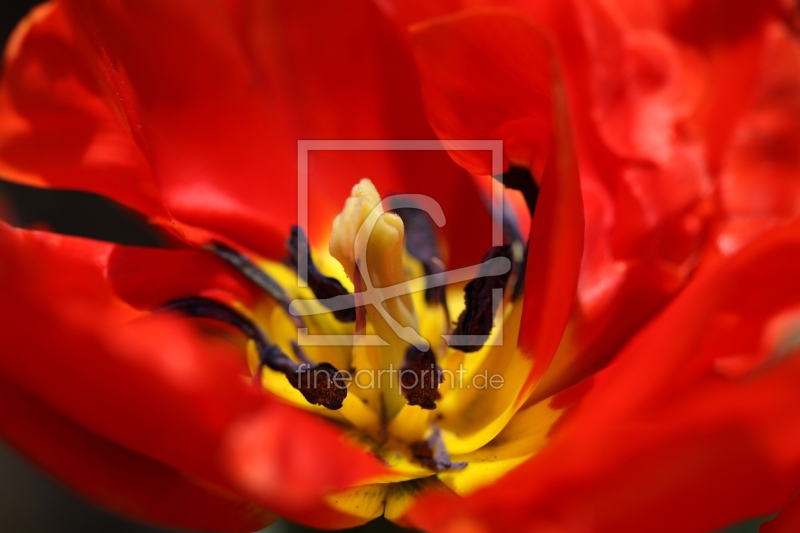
(521, 179)
(420, 377)
(323, 286)
(477, 320)
(320, 384)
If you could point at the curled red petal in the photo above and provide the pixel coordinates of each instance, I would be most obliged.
(557, 232)
(496, 62)
(52, 103)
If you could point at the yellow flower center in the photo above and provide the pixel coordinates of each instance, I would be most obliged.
(364, 333)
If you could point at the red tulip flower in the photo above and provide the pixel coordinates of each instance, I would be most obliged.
(625, 359)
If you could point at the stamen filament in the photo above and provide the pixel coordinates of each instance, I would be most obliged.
(252, 272)
(323, 287)
(329, 391)
(422, 244)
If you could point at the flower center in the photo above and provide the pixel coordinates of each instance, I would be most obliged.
(362, 332)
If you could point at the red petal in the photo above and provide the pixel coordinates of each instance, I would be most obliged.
(150, 385)
(408, 12)
(257, 456)
(556, 243)
(661, 429)
(758, 184)
(116, 477)
(51, 103)
(147, 278)
(701, 21)
(475, 87)
(729, 34)
(202, 108)
(645, 185)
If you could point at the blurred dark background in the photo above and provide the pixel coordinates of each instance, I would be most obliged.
(31, 501)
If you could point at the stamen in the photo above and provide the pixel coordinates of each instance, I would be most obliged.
(300, 354)
(328, 390)
(422, 244)
(252, 272)
(198, 307)
(420, 377)
(511, 227)
(477, 319)
(433, 454)
(520, 179)
(323, 286)
(321, 384)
